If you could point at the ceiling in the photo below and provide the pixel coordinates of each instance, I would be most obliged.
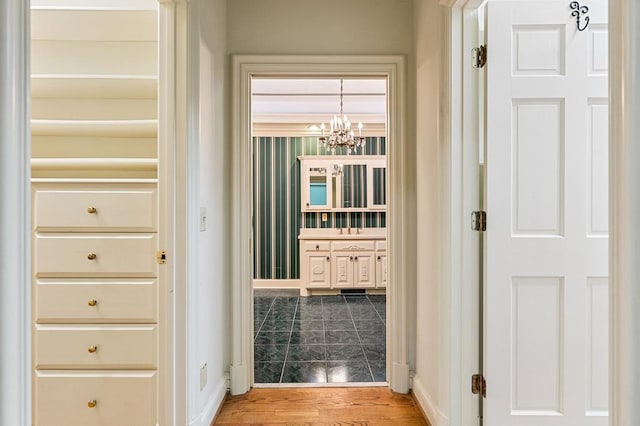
(301, 103)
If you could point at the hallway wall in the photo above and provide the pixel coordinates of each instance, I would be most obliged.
(431, 380)
(214, 261)
(320, 27)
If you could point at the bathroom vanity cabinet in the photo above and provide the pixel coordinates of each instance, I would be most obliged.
(353, 264)
(343, 258)
(330, 260)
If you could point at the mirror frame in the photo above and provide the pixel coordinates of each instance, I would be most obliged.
(307, 162)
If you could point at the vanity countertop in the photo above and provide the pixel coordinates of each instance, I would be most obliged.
(346, 234)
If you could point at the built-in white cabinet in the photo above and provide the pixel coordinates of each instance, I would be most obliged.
(95, 302)
(315, 263)
(343, 263)
(353, 264)
(381, 264)
(343, 183)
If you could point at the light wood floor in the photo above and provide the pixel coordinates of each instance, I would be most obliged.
(311, 406)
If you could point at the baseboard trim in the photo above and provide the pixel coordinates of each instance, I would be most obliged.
(215, 402)
(276, 284)
(424, 402)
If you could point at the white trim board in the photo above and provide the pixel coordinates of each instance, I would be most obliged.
(243, 69)
(276, 284)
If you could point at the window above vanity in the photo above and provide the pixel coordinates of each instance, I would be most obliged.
(350, 183)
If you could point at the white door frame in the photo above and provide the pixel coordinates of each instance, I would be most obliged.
(460, 183)
(244, 68)
(15, 214)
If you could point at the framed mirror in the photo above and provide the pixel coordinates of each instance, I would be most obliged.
(343, 183)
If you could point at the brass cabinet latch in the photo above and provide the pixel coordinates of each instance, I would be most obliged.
(161, 257)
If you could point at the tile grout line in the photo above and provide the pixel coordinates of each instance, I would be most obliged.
(376, 309)
(366, 358)
(263, 320)
(324, 341)
(286, 354)
(385, 345)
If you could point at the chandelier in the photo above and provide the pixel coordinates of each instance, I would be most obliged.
(340, 133)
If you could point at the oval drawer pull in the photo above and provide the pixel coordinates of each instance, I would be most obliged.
(92, 349)
(92, 210)
(379, 258)
(92, 256)
(92, 302)
(328, 258)
(92, 403)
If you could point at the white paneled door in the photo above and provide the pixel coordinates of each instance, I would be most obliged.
(546, 304)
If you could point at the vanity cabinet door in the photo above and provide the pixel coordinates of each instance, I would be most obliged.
(363, 269)
(381, 270)
(342, 271)
(316, 187)
(353, 269)
(318, 270)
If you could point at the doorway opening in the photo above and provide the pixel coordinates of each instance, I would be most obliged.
(319, 231)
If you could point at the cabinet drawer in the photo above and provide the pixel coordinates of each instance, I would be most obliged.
(115, 255)
(110, 301)
(115, 210)
(315, 246)
(121, 398)
(353, 245)
(78, 347)
(381, 245)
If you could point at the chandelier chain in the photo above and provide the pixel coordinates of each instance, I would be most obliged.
(340, 133)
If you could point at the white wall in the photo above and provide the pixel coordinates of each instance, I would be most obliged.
(431, 380)
(214, 183)
(319, 27)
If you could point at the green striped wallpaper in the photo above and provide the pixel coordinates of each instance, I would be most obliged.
(277, 216)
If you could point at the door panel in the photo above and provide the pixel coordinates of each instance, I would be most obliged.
(546, 288)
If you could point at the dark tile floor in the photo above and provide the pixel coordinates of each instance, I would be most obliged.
(319, 339)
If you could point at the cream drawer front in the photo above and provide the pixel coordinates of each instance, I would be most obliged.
(114, 255)
(110, 301)
(353, 245)
(82, 347)
(315, 246)
(381, 245)
(121, 399)
(115, 210)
